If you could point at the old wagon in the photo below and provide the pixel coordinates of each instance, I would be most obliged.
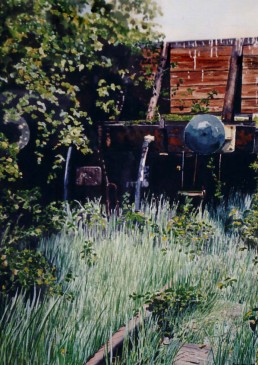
(207, 139)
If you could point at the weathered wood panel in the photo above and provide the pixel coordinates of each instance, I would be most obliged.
(197, 73)
(249, 103)
(202, 58)
(203, 66)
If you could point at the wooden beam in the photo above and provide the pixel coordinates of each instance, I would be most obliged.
(234, 71)
(213, 42)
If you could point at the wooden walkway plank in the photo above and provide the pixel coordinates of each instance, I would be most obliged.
(190, 354)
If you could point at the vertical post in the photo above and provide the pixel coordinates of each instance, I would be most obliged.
(157, 82)
(234, 71)
(195, 169)
(182, 169)
(145, 147)
(66, 175)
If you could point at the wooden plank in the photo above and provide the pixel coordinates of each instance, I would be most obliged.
(218, 42)
(115, 344)
(195, 64)
(197, 92)
(213, 110)
(250, 76)
(205, 51)
(249, 105)
(250, 62)
(210, 58)
(249, 91)
(193, 78)
(188, 102)
(214, 77)
(184, 106)
(250, 50)
(191, 56)
(194, 354)
(234, 71)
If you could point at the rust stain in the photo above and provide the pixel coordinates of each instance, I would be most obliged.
(245, 138)
(89, 176)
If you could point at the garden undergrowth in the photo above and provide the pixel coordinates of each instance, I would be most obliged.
(109, 268)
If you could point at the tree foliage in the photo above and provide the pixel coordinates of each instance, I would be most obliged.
(61, 61)
(63, 65)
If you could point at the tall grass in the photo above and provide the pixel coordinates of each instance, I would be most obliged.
(57, 330)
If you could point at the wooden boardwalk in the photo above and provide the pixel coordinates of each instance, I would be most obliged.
(190, 354)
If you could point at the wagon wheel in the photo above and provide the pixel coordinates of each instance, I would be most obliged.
(18, 132)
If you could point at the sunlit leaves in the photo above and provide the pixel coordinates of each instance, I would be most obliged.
(45, 44)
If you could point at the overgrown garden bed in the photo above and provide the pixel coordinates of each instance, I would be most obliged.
(108, 269)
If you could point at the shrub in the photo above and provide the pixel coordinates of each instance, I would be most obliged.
(250, 224)
(23, 220)
(24, 269)
(171, 302)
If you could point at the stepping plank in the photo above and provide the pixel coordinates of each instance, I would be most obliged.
(190, 354)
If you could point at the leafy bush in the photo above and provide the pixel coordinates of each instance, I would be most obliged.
(202, 105)
(171, 302)
(188, 229)
(185, 228)
(24, 269)
(23, 218)
(250, 224)
(23, 222)
(246, 223)
(218, 184)
(9, 170)
(88, 253)
(52, 53)
(252, 317)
